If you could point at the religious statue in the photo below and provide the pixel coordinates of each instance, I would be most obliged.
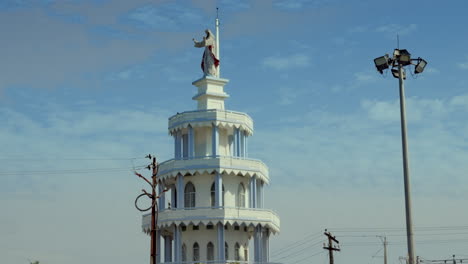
(209, 63)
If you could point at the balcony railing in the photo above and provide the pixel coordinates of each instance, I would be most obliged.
(210, 214)
(211, 115)
(252, 166)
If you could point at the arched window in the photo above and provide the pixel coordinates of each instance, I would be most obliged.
(184, 252)
(189, 199)
(210, 251)
(240, 201)
(213, 195)
(237, 252)
(226, 251)
(196, 252)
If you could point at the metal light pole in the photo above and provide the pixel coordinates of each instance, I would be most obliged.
(406, 174)
(400, 59)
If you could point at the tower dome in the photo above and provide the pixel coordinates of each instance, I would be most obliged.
(215, 204)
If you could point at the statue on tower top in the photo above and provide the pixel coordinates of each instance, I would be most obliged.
(210, 62)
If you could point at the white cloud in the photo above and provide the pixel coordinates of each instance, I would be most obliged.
(463, 65)
(392, 30)
(299, 4)
(365, 76)
(417, 109)
(286, 62)
(166, 17)
(460, 100)
(287, 95)
(431, 70)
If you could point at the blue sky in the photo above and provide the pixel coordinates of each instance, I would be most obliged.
(87, 86)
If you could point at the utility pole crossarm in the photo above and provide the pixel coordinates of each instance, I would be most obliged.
(330, 246)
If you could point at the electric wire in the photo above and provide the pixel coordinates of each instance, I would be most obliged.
(308, 257)
(281, 254)
(298, 252)
(58, 159)
(308, 238)
(70, 171)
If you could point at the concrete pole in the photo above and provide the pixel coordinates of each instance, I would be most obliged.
(406, 174)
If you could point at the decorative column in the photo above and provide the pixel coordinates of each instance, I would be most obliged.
(245, 145)
(242, 144)
(237, 143)
(259, 193)
(177, 244)
(214, 140)
(175, 145)
(221, 241)
(218, 190)
(185, 146)
(180, 191)
(258, 244)
(253, 192)
(167, 249)
(173, 197)
(265, 245)
(158, 246)
(178, 145)
(162, 198)
(191, 143)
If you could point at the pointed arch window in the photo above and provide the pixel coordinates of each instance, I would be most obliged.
(240, 201)
(237, 252)
(226, 251)
(210, 251)
(196, 252)
(184, 253)
(189, 199)
(213, 195)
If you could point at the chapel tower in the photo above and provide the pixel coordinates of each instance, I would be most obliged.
(214, 210)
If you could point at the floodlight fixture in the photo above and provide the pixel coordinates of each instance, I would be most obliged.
(396, 74)
(420, 66)
(381, 63)
(404, 57)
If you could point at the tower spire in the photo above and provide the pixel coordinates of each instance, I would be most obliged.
(217, 40)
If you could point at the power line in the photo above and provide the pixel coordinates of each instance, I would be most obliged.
(308, 257)
(70, 171)
(298, 252)
(56, 158)
(298, 243)
(394, 229)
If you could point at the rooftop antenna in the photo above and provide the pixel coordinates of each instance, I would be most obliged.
(398, 41)
(217, 40)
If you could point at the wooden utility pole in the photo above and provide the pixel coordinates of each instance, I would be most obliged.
(154, 204)
(330, 246)
(153, 213)
(385, 243)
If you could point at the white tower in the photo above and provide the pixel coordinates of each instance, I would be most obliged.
(216, 191)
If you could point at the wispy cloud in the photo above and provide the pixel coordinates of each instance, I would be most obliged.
(363, 149)
(417, 109)
(392, 30)
(167, 17)
(460, 101)
(464, 64)
(286, 62)
(299, 4)
(365, 76)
